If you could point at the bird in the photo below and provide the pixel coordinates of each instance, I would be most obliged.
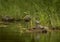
(44, 31)
(37, 25)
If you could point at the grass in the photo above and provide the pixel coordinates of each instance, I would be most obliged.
(44, 8)
(47, 12)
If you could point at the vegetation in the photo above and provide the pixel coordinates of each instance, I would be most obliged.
(46, 11)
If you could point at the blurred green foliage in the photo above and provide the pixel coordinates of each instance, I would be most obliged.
(47, 12)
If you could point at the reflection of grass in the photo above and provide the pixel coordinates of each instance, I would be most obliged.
(12, 34)
(40, 9)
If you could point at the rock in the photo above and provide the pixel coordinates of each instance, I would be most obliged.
(44, 31)
(33, 28)
(7, 19)
(55, 28)
(27, 18)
